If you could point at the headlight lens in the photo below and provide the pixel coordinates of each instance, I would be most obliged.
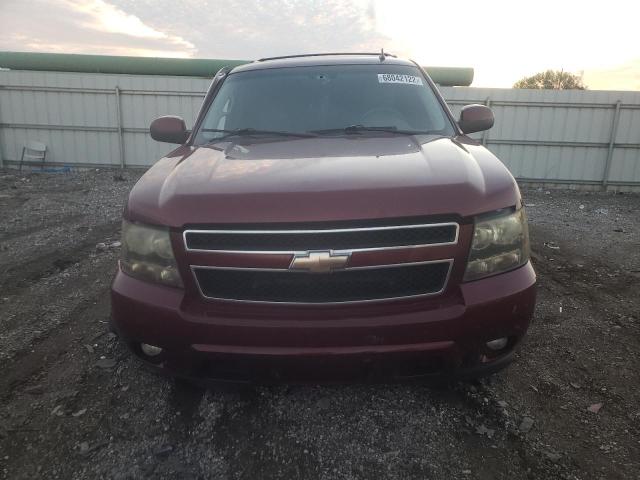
(499, 244)
(147, 254)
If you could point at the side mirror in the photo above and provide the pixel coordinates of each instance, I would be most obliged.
(475, 118)
(169, 129)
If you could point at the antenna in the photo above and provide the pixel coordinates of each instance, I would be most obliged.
(382, 55)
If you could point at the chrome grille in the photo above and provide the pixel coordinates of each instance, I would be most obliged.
(328, 282)
(362, 284)
(295, 241)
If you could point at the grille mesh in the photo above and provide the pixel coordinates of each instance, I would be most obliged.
(338, 286)
(283, 241)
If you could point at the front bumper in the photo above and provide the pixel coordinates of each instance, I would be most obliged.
(247, 343)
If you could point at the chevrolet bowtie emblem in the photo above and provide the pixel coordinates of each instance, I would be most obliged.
(319, 262)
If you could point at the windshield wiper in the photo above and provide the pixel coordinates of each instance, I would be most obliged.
(352, 129)
(253, 131)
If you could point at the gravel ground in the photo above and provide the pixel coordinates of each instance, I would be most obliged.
(76, 405)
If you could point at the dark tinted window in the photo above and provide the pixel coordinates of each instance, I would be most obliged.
(304, 99)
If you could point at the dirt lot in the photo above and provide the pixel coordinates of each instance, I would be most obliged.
(74, 404)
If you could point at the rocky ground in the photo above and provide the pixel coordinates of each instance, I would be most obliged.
(74, 404)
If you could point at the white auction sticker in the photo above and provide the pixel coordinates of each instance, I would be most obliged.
(396, 78)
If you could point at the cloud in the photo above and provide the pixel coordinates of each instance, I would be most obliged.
(242, 29)
(505, 40)
(249, 29)
(83, 26)
(502, 49)
(622, 77)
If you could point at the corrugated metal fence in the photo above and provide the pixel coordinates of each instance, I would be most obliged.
(569, 137)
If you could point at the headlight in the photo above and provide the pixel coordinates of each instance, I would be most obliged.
(147, 254)
(499, 244)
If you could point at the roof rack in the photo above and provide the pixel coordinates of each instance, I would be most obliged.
(377, 54)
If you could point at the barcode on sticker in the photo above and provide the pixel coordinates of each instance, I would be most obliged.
(397, 78)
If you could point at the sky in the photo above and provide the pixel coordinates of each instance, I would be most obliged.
(502, 40)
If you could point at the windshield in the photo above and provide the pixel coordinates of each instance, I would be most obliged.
(325, 100)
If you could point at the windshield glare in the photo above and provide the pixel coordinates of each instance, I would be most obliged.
(313, 99)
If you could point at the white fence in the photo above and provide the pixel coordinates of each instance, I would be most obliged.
(567, 137)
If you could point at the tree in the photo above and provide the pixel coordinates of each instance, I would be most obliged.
(552, 80)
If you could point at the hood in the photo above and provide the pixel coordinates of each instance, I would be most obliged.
(322, 179)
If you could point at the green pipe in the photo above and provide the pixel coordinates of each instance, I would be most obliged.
(190, 67)
(62, 62)
(451, 76)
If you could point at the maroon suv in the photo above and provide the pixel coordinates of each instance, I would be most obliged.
(326, 219)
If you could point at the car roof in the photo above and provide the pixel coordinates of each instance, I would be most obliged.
(322, 60)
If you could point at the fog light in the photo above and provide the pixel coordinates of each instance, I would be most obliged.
(497, 344)
(150, 350)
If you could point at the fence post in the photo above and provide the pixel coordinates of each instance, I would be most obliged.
(485, 134)
(1, 156)
(612, 141)
(119, 119)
